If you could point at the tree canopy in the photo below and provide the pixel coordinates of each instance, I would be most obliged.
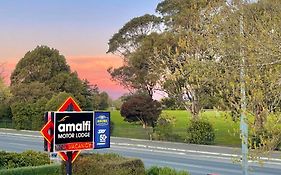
(41, 64)
(40, 78)
(141, 108)
(198, 55)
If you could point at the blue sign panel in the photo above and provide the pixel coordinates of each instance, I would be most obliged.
(102, 130)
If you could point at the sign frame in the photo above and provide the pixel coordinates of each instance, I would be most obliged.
(102, 130)
(91, 131)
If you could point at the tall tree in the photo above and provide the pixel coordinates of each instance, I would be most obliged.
(127, 39)
(187, 58)
(125, 43)
(40, 64)
(39, 75)
(256, 43)
(5, 96)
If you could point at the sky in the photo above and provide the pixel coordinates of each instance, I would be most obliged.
(79, 29)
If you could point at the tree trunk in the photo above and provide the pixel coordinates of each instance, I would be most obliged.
(260, 117)
(143, 125)
(195, 108)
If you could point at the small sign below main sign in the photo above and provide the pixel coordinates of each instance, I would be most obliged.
(73, 131)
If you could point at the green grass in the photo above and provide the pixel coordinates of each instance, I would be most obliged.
(126, 129)
(225, 129)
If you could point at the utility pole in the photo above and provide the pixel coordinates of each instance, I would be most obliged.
(243, 118)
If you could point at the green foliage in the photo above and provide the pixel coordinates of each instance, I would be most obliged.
(170, 104)
(53, 169)
(164, 171)
(28, 158)
(268, 138)
(200, 132)
(125, 40)
(226, 130)
(5, 111)
(30, 92)
(117, 104)
(5, 93)
(41, 74)
(40, 64)
(22, 113)
(103, 101)
(57, 100)
(29, 115)
(164, 129)
(258, 139)
(112, 164)
(5, 96)
(136, 72)
(142, 108)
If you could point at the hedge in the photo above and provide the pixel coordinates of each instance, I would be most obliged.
(53, 169)
(28, 158)
(112, 164)
(164, 171)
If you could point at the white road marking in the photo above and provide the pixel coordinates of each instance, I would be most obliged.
(206, 154)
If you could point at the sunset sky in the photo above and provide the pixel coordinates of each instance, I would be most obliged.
(79, 29)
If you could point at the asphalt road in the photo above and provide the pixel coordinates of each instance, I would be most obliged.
(198, 160)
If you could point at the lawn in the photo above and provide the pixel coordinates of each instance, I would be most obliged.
(225, 129)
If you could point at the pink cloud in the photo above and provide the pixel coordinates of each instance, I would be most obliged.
(7, 68)
(92, 68)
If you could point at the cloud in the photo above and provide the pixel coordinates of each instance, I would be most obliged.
(6, 68)
(92, 68)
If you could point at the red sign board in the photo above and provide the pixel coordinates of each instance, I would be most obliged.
(45, 131)
(68, 105)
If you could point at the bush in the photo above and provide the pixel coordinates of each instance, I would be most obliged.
(28, 158)
(164, 171)
(164, 129)
(141, 108)
(53, 169)
(112, 164)
(264, 139)
(200, 132)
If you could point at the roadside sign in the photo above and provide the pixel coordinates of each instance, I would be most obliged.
(69, 105)
(73, 131)
(70, 130)
(102, 130)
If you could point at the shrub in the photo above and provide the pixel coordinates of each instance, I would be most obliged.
(164, 171)
(264, 139)
(112, 164)
(200, 132)
(141, 108)
(164, 129)
(27, 158)
(53, 169)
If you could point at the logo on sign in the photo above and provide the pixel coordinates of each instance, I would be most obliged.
(102, 136)
(73, 131)
(102, 120)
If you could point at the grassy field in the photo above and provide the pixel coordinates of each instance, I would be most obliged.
(225, 129)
